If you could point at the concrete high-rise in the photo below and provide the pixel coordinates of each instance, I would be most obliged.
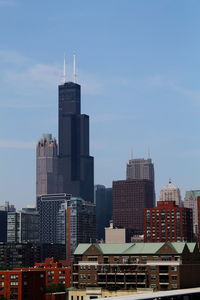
(76, 223)
(22, 226)
(140, 168)
(46, 165)
(48, 207)
(74, 161)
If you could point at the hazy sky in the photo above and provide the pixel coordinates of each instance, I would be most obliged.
(139, 67)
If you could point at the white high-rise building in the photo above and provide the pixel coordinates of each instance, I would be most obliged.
(171, 193)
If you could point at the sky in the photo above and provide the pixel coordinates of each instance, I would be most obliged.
(138, 63)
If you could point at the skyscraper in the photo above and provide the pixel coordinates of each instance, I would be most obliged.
(46, 165)
(140, 168)
(103, 201)
(68, 169)
(171, 193)
(76, 223)
(75, 163)
(48, 207)
(130, 197)
(22, 226)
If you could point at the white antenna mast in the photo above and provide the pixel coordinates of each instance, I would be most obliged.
(149, 154)
(74, 68)
(64, 71)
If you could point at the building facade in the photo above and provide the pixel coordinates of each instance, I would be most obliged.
(168, 222)
(23, 226)
(171, 193)
(3, 225)
(46, 165)
(22, 284)
(115, 235)
(190, 201)
(130, 197)
(76, 224)
(18, 255)
(48, 207)
(55, 272)
(159, 266)
(103, 201)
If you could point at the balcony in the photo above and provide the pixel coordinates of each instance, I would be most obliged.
(164, 263)
(88, 263)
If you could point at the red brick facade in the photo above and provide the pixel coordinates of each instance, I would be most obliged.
(55, 272)
(22, 284)
(168, 222)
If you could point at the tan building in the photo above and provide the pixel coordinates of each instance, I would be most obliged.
(97, 292)
(171, 193)
(115, 235)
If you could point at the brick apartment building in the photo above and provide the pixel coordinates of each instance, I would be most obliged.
(22, 284)
(55, 272)
(168, 222)
(31, 283)
(160, 266)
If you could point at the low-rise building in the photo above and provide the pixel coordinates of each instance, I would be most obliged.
(55, 272)
(97, 292)
(115, 235)
(22, 284)
(160, 266)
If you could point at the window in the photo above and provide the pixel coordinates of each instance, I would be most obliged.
(14, 283)
(174, 268)
(13, 277)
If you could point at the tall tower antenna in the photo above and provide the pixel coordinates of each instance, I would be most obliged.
(74, 68)
(64, 70)
(149, 154)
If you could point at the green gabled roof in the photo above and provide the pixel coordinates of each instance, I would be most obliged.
(178, 246)
(134, 248)
(115, 248)
(144, 248)
(191, 246)
(81, 248)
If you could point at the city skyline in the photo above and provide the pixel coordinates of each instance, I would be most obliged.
(139, 78)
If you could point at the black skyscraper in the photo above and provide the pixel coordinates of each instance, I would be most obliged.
(75, 163)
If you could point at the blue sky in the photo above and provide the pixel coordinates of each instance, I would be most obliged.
(139, 68)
